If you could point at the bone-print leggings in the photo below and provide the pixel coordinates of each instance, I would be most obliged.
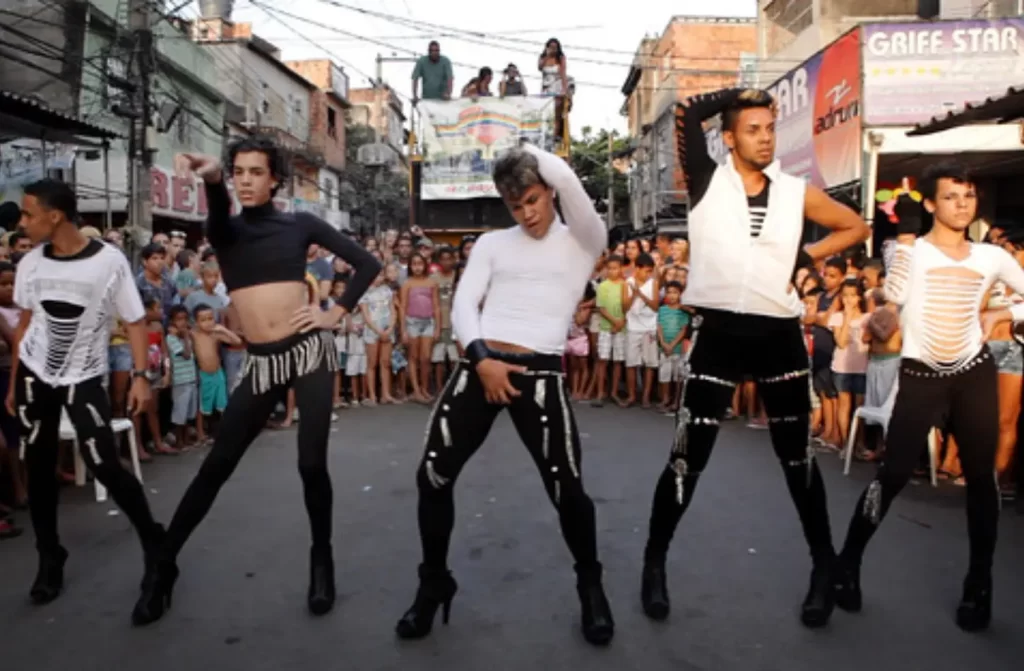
(543, 417)
(87, 403)
(727, 346)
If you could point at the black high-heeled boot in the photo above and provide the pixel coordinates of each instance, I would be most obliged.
(820, 600)
(654, 590)
(436, 590)
(157, 589)
(49, 580)
(321, 581)
(846, 586)
(151, 551)
(596, 614)
(975, 610)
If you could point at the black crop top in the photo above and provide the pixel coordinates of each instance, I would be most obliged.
(264, 245)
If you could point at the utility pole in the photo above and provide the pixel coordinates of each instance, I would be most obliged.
(141, 211)
(611, 182)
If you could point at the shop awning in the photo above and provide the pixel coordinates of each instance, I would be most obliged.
(1004, 108)
(22, 117)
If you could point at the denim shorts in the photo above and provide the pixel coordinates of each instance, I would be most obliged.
(850, 383)
(419, 327)
(1008, 356)
(120, 358)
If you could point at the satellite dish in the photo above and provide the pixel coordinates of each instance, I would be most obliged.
(374, 154)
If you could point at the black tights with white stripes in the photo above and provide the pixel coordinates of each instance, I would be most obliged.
(543, 417)
(39, 408)
(724, 348)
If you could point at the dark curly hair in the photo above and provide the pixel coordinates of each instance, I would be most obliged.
(277, 161)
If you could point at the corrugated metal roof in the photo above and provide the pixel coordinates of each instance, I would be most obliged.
(1006, 107)
(31, 112)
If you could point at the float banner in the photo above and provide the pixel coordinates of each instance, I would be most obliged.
(462, 138)
(915, 71)
(818, 128)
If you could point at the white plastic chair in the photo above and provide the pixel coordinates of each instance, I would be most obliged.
(118, 425)
(882, 415)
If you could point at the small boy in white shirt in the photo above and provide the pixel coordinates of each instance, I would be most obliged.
(640, 303)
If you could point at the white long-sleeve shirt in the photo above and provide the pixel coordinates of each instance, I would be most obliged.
(529, 288)
(942, 299)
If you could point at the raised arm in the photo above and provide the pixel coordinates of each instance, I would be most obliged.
(846, 227)
(900, 267)
(364, 265)
(580, 216)
(470, 292)
(218, 202)
(698, 166)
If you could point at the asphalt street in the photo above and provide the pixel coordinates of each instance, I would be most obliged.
(738, 569)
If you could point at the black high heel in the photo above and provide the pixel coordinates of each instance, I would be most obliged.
(157, 590)
(320, 598)
(654, 591)
(595, 613)
(975, 610)
(436, 590)
(49, 580)
(846, 587)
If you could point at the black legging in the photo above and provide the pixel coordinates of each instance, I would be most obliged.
(543, 417)
(725, 347)
(967, 403)
(305, 363)
(39, 409)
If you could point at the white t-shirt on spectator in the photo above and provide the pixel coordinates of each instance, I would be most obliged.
(640, 318)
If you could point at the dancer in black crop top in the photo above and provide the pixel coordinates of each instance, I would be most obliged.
(262, 246)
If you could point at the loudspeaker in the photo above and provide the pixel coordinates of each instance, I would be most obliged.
(928, 9)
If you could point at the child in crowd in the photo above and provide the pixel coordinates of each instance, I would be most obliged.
(395, 275)
(577, 350)
(672, 324)
(158, 373)
(208, 336)
(11, 465)
(341, 344)
(611, 339)
(445, 354)
(850, 356)
(378, 309)
(355, 362)
(207, 293)
(419, 307)
(184, 390)
(234, 355)
(640, 302)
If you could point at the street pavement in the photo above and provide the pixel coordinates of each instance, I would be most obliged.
(738, 568)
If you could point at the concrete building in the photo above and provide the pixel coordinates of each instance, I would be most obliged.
(692, 55)
(368, 103)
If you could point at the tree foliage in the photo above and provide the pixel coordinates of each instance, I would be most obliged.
(589, 158)
(359, 196)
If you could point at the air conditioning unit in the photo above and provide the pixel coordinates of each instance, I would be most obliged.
(374, 154)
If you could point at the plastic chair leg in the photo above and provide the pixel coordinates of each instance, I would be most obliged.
(848, 452)
(933, 456)
(133, 449)
(79, 465)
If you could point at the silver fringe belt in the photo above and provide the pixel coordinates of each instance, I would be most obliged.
(267, 371)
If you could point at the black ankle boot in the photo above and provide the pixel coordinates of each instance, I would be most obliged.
(820, 601)
(436, 590)
(50, 578)
(846, 585)
(157, 587)
(654, 590)
(321, 581)
(151, 548)
(975, 610)
(595, 613)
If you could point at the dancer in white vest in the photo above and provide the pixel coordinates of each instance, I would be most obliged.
(745, 227)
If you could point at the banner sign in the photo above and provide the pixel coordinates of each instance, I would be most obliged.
(185, 198)
(818, 128)
(915, 71)
(462, 138)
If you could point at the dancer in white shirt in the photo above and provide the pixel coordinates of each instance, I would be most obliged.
(947, 377)
(746, 222)
(528, 279)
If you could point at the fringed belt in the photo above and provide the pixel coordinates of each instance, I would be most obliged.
(270, 365)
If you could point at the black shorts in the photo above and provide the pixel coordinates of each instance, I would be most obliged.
(824, 383)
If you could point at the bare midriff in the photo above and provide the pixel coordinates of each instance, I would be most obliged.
(265, 310)
(499, 346)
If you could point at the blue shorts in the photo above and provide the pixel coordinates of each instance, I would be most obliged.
(850, 383)
(213, 392)
(120, 358)
(419, 327)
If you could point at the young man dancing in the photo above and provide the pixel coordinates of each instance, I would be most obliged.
(69, 289)
(746, 222)
(527, 280)
(947, 377)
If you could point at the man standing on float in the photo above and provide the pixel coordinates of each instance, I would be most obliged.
(745, 227)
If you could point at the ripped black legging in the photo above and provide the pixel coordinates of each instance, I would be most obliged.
(543, 417)
(39, 407)
(967, 403)
(305, 363)
(725, 347)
